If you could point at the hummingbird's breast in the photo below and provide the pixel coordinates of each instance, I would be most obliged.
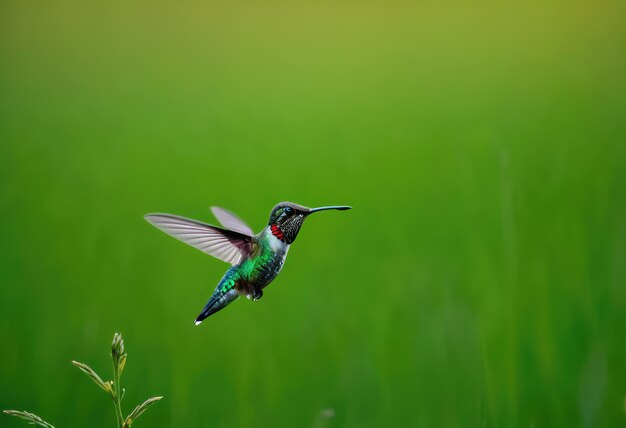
(265, 271)
(265, 264)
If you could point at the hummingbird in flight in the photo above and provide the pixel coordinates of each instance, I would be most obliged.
(256, 259)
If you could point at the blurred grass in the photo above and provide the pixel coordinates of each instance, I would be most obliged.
(479, 281)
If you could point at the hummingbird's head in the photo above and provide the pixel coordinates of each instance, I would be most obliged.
(286, 219)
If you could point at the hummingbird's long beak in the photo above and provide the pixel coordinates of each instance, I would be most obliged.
(333, 207)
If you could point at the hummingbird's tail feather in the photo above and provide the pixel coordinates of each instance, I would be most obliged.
(218, 300)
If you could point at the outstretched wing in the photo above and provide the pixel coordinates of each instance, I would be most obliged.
(231, 221)
(227, 245)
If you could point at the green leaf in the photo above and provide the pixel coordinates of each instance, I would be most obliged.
(30, 417)
(122, 364)
(139, 410)
(106, 386)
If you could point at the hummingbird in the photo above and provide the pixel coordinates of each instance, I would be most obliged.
(256, 259)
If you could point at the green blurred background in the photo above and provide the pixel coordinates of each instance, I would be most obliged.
(480, 279)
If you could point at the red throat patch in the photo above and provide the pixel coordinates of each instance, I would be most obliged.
(277, 232)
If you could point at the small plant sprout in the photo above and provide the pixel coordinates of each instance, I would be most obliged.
(114, 387)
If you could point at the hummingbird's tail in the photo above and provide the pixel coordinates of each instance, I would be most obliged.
(218, 300)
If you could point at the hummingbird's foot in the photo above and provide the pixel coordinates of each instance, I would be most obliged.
(257, 295)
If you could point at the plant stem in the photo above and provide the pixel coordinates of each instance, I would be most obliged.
(118, 396)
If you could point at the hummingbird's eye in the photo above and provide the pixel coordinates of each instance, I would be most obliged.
(288, 210)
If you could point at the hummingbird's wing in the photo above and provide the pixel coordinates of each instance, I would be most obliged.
(227, 245)
(231, 221)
